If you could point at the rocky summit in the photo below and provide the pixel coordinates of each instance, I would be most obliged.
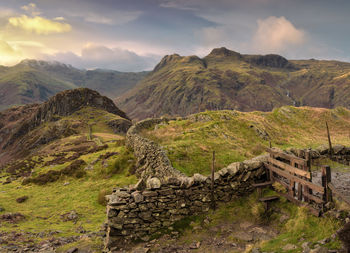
(19, 126)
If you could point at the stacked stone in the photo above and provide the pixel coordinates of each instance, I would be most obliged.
(152, 160)
(139, 212)
(340, 153)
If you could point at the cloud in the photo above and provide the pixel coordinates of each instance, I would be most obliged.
(9, 55)
(96, 56)
(275, 35)
(39, 25)
(31, 9)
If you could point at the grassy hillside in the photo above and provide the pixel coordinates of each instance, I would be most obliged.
(104, 163)
(34, 81)
(182, 85)
(236, 136)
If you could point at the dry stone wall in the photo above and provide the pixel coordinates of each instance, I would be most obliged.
(152, 160)
(341, 154)
(164, 195)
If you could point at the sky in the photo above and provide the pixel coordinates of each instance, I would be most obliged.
(133, 35)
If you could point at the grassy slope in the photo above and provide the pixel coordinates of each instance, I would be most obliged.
(234, 135)
(47, 203)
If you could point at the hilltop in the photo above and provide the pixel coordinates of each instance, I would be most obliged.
(236, 136)
(34, 81)
(224, 79)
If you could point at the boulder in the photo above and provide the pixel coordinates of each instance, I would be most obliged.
(338, 148)
(199, 178)
(233, 168)
(323, 149)
(153, 183)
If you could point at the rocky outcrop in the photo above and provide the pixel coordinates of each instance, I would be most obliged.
(64, 104)
(17, 123)
(270, 60)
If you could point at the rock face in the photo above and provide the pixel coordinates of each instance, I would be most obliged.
(164, 195)
(17, 122)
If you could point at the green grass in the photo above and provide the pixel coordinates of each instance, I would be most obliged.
(299, 228)
(46, 203)
(236, 136)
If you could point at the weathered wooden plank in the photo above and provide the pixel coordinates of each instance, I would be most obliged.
(313, 198)
(291, 158)
(259, 185)
(270, 198)
(289, 187)
(337, 193)
(290, 168)
(314, 211)
(287, 175)
(300, 191)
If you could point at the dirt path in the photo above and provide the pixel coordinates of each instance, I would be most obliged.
(341, 181)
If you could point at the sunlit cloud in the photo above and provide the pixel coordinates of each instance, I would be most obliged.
(9, 55)
(31, 9)
(39, 25)
(276, 34)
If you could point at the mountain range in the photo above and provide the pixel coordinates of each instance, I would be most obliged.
(182, 85)
(224, 79)
(33, 81)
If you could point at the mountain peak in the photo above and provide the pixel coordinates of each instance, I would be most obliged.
(43, 64)
(269, 60)
(223, 52)
(69, 101)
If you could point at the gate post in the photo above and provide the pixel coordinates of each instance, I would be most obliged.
(326, 179)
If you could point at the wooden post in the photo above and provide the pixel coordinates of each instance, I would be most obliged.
(330, 152)
(326, 179)
(308, 168)
(213, 205)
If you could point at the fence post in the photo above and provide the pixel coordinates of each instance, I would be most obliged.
(308, 168)
(330, 152)
(213, 205)
(326, 179)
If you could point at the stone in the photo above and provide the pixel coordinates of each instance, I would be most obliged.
(199, 178)
(323, 149)
(234, 168)
(289, 247)
(243, 236)
(140, 185)
(150, 193)
(186, 182)
(337, 149)
(153, 183)
(22, 199)
(252, 164)
(223, 172)
(137, 196)
(89, 167)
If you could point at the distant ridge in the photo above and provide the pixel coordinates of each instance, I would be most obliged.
(33, 81)
(225, 79)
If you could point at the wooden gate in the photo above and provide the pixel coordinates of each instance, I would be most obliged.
(294, 173)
